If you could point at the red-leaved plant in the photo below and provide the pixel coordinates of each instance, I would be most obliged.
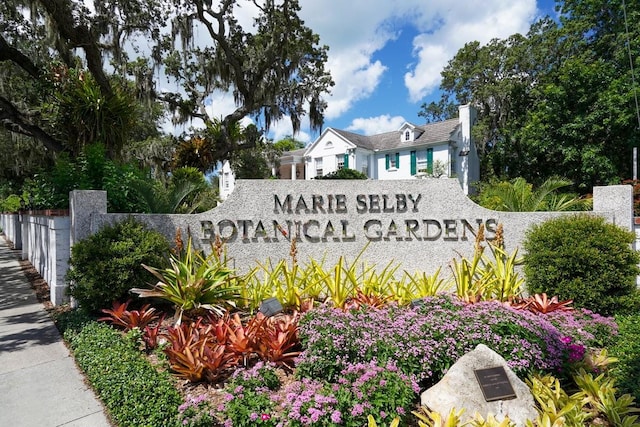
(363, 300)
(277, 338)
(195, 355)
(541, 303)
(207, 348)
(150, 334)
(242, 339)
(118, 315)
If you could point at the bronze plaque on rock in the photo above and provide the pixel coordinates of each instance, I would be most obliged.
(495, 384)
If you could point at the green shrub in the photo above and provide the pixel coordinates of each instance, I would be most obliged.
(627, 350)
(107, 264)
(11, 204)
(134, 392)
(344, 174)
(582, 258)
(91, 170)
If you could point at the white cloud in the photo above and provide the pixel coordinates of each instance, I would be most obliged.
(355, 30)
(283, 128)
(456, 25)
(355, 77)
(376, 125)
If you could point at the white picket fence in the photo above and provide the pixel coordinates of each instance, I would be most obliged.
(43, 239)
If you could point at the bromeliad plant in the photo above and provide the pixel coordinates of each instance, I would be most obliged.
(541, 303)
(195, 355)
(120, 316)
(485, 277)
(194, 282)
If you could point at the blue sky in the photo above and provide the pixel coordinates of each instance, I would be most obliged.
(386, 55)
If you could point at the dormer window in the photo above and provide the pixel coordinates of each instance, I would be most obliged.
(407, 135)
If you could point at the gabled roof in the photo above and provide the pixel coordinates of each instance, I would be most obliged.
(358, 140)
(429, 134)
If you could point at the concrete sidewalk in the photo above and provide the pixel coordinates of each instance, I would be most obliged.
(40, 385)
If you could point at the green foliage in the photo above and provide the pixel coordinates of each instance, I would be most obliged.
(134, 392)
(344, 173)
(196, 412)
(193, 282)
(383, 388)
(559, 98)
(520, 196)
(627, 350)
(11, 203)
(185, 192)
(288, 143)
(582, 258)
(92, 170)
(85, 116)
(107, 264)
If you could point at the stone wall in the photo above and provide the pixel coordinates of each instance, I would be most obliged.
(420, 224)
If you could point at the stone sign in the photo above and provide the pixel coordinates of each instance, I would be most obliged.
(458, 389)
(419, 225)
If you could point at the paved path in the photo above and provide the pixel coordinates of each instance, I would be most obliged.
(40, 385)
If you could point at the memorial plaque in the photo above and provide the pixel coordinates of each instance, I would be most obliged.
(495, 384)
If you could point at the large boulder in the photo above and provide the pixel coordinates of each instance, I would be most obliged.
(460, 389)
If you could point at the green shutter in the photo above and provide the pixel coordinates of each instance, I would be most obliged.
(397, 160)
(430, 160)
(346, 160)
(387, 161)
(413, 163)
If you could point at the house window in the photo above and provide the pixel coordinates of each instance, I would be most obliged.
(226, 180)
(421, 161)
(407, 136)
(340, 161)
(318, 166)
(392, 161)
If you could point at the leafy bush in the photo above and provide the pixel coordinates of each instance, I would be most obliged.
(92, 170)
(427, 340)
(255, 397)
(582, 258)
(134, 392)
(585, 326)
(627, 350)
(107, 264)
(344, 173)
(194, 282)
(11, 203)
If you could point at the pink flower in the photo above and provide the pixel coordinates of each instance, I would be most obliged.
(265, 417)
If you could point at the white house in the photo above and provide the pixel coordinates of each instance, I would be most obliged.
(442, 149)
(413, 151)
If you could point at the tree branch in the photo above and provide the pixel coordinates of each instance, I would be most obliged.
(79, 36)
(13, 120)
(9, 53)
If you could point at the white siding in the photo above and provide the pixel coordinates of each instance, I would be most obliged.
(327, 148)
(403, 169)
